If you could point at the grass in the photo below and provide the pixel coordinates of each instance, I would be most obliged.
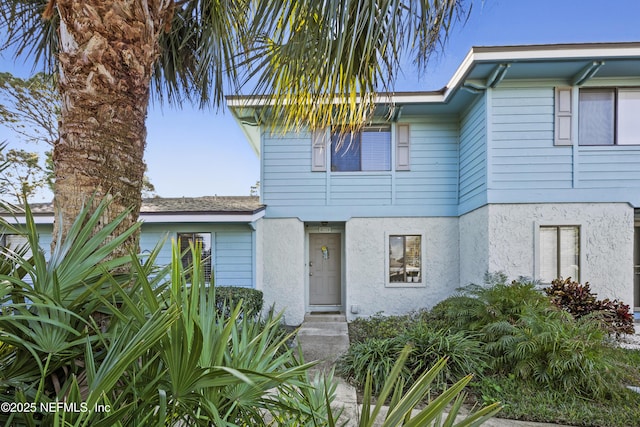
(529, 402)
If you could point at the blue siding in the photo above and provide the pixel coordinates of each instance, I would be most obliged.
(232, 244)
(360, 189)
(430, 188)
(609, 167)
(234, 258)
(473, 157)
(433, 178)
(523, 156)
(287, 179)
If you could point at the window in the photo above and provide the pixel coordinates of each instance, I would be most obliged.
(609, 116)
(559, 253)
(367, 150)
(201, 240)
(405, 259)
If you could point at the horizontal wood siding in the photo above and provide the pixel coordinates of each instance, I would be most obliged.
(360, 189)
(609, 167)
(522, 155)
(150, 239)
(234, 258)
(473, 156)
(287, 179)
(433, 178)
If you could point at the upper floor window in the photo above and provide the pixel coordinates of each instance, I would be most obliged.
(609, 116)
(559, 253)
(366, 150)
(201, 240)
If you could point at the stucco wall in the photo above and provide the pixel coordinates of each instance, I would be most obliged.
(282, 245)
(366, 248)
(474, 245)
(607, 242)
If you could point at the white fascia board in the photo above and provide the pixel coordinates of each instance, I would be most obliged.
(479, 55)
(251, 132)
(558, 53)
(21, 219)
(160, 218)
(202, 218)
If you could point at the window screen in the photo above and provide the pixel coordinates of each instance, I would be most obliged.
(368, 150)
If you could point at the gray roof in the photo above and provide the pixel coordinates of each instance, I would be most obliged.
(206, 204)
(181, 205)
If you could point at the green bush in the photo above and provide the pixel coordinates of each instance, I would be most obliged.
(378, 326)
(455, 313)
(477, 306)
(555, 351)
(578, 300)
(464, 353)
(374, 357)
(228, 297)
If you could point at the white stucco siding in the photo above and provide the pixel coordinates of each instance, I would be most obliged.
(474, 245)
(282, 246)
(366, 247)
(606, 245)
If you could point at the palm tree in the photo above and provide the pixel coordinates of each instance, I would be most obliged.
(111, 54)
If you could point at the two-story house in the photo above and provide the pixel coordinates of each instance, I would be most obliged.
(527, 162)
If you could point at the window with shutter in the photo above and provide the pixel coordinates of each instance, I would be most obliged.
(367, 150)
(608, 116)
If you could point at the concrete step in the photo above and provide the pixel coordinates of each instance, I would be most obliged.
(325, 329)
(313, 317)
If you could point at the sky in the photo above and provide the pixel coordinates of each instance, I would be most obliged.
(192, 152)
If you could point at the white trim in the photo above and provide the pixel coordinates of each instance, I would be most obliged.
(160, 218)
(197, 217)
(335, 228)
(474, 56)
(21, 219)
(536, 245)
(423, 255)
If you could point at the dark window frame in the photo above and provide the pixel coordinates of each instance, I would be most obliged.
(206, 256)
(353, 141)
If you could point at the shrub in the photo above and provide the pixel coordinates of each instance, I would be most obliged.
(464, 353)
(556, 351)
(477, 306)
(578, 300)
(378, 326)
(228, 297)
(374, 357)
(455, 313)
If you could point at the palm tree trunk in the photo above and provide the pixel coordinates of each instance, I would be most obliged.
(107, 53)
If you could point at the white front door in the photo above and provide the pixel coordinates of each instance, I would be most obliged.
(325, 273)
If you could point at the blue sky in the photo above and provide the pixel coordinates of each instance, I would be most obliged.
(195, 153)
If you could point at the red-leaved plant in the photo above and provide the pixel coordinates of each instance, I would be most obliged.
(578, 300)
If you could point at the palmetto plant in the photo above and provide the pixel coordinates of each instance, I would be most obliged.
(147, 345)
(443, 411)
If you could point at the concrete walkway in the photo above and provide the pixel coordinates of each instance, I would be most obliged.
(325, 337)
